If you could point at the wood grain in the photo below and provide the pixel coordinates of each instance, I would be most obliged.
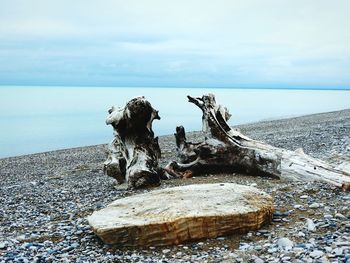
(180, 214)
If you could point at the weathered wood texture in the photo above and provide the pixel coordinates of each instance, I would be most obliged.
(133, 154)
(227, 149)
(175, 215)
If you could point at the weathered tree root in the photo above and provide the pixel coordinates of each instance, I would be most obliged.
(228, 149)
(133, 154)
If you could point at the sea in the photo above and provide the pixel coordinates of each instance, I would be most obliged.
(40, 119)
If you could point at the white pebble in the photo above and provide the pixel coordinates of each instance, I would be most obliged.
(314, 205)
(310, 225)
(316, 254)
(285, 243)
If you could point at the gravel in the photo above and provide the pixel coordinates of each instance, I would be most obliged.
(46, 197)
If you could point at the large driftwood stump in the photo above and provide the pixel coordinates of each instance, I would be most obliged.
(227, 149)
(134, 152)
(175, 215)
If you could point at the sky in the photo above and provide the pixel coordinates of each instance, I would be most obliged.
(182, 43)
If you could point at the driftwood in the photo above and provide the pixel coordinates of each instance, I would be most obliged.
(178, 214)
(227, 149)
(134, 152)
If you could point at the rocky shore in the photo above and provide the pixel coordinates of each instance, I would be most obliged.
(46, 197)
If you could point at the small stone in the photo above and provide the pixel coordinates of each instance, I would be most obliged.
(309, 246)
(165, 251)
(285, 243)
(304, 197)
(310, 225)
(298, 206)
(340, 216)
(263, 231)
(281, 214)
(258, 248)
(316, 254)
(298, 249)
(21, 238)
(34, 248)
(258, 260)
(244, 246)
(343, 243)
(3, 245)
(272, 250)
(220, 238)
(338, 251)
(314, 205)
(328, 249)
(301, 234)
(328, 216)
(67, 249)
(75, 245)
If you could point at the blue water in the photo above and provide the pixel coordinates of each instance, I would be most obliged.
(38, 119)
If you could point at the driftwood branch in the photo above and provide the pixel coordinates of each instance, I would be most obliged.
(227, 149)
(133, 154)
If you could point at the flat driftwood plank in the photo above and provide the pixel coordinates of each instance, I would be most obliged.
(175, 215)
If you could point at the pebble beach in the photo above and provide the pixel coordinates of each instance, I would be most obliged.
(46, 197)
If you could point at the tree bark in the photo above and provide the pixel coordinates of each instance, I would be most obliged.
(227, 149)
(133, 154)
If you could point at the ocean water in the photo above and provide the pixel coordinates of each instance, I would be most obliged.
(38, 119)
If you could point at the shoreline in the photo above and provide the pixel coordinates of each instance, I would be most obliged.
(46, 198)
(263, 122)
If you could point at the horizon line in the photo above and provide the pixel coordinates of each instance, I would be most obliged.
(182, 87)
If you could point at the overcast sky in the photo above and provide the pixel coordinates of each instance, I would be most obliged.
(181, 43)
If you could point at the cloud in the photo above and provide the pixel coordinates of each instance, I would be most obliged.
(186, 43)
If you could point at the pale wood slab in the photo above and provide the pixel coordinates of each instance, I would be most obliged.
(175, 215)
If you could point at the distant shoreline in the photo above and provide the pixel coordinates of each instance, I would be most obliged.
(182, 87)
(258, 127)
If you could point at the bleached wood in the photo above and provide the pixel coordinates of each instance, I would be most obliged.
(175, 215)
(134, 152)
(230, 149)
